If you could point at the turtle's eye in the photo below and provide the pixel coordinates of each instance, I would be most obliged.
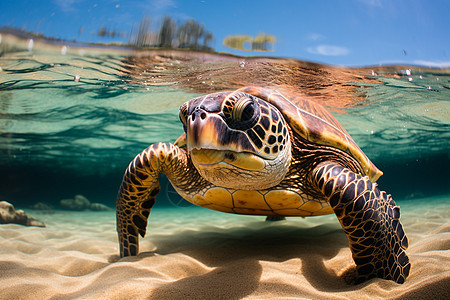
(243, 110)
(183, 114)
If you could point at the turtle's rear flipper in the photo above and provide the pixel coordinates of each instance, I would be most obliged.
(370, 219)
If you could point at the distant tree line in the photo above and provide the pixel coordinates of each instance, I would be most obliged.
(104, 32)
(262, 42)
(190, 35)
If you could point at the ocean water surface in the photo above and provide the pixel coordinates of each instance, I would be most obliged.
(73, 117)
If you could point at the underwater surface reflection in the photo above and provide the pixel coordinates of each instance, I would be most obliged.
(80, 114)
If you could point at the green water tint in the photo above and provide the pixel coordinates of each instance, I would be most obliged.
(402, 118)
(72, 136)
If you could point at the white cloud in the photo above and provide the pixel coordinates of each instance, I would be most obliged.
(315, 36)
(154, 5)
(433, 64)
(163, 4)
(66, 5)
(373, 3)
(328, 50)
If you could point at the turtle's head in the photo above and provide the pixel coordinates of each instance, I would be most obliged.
(236, 140)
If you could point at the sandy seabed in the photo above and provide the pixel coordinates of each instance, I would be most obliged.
(195, 253)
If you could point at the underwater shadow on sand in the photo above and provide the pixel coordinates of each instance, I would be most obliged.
(235, 254)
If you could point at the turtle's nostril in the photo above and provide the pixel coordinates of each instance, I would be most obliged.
(198, 113)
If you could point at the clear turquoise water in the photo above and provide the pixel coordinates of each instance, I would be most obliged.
(60, 137)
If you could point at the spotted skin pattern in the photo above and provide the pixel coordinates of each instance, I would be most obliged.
(320, 179)
(140, 186)
(370, 218)
(269, 135)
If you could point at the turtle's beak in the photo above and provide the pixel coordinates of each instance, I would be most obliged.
(201, 131)
(210, 142)
(209, 131)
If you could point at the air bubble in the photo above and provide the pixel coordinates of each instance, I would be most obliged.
(30, 44)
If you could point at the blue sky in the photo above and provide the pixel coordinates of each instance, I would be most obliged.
(340, 32)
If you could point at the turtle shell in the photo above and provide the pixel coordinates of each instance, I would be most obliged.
(314, 123)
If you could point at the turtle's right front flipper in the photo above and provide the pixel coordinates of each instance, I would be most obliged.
(370, 219)
(139, 188)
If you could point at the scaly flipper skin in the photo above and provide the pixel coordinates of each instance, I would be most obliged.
(140, 186)
(370, 219)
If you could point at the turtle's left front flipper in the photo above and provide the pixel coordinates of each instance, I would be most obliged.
(139, 188)
(370, 219)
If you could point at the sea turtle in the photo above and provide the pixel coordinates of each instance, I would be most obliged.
(255, 151)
